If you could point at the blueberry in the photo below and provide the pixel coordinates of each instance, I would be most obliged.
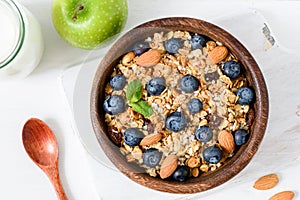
(133, 136)
(246, 95)
(140, 47)
(156, 86)
(176, 122)
(194, 105)
(212, 154)
(189, 83)
(241, 136)
(114, 104)
(151, 157)
(197, 42)
(182, 173)
(204, 134)
(231, 69)
(117, 82)
(173, 45)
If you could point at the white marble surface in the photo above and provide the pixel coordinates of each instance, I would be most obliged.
(42, 95)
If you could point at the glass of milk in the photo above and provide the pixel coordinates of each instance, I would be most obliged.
(21, 41)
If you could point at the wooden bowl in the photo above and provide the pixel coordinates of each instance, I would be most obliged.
(254, 75)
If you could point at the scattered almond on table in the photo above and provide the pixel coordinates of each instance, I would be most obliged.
(270, 181)
(284, 195)
(266, 182)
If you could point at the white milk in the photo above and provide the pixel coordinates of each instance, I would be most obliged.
(21, 42)
(9, 31)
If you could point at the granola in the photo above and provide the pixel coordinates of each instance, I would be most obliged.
(222, 105)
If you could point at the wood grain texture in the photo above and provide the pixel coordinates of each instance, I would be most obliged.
(206, 181)
(40, 144)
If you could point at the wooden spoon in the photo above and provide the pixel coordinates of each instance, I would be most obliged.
(41, 146)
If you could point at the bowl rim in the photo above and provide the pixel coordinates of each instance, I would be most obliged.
(240, 160)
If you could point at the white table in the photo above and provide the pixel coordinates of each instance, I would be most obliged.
(42, 95)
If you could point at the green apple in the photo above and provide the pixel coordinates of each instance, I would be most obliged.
(88, 23)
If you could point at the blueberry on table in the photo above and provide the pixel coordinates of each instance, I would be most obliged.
(133, 136)
(197, 42)
(140, 47)
(156, 86)
(241, 136)
(189, 83)
(176, 122)
(246, 95)
(173, 45)
(212, 154)
(232, 69)
(204, 134)
(114, 104)
(151, 157)
(117, 82)
(181, 174)
(194, 105)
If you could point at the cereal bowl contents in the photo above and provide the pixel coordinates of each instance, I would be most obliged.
(179, 105)
(180, 101)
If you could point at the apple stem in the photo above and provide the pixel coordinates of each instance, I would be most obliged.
(79, 8)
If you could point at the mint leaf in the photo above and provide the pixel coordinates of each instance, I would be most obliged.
(134, 91)
(136, 96)
(142, 107)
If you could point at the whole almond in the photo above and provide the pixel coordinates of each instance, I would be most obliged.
(266, 182)
(149, 58)
(150, 139)
(168, 166)
(285, 195)
(226, 141)
(217, 54)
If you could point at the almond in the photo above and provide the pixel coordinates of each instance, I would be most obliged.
(285, 195)
(150, 139)
(266, 182)
(226, 141)
(149, 58)
(168, 166)
(218, 54)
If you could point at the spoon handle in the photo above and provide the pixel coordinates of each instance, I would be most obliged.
(55, 180)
